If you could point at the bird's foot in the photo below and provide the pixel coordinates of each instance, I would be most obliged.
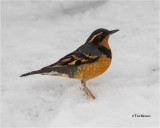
(85, 92)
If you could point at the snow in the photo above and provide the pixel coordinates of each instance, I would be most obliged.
(37, 33)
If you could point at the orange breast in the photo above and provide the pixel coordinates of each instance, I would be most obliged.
(89, 71)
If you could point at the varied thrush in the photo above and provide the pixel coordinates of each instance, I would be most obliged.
(88, 61)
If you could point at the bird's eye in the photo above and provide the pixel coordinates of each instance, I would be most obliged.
(99, 38)
(102, 34)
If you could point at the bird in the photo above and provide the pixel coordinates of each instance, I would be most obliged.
(88, 61)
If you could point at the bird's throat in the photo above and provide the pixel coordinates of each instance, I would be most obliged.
(105, 43)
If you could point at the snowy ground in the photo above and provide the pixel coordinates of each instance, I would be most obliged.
(36, 34)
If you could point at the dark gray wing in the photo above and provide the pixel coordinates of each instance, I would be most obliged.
(84, 54)
(89, 49)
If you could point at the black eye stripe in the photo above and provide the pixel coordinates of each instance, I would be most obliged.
(102, 34)
(99, 38)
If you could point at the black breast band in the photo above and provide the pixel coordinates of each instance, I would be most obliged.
(105, 51)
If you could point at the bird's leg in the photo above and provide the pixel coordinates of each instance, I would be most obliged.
(86, 89)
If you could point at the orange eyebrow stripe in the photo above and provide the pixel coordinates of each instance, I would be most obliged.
(94, 37)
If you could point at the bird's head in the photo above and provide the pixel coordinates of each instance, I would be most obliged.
(100, 37)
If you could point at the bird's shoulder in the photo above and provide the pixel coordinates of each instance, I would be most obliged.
(89, 49)
(83, 55)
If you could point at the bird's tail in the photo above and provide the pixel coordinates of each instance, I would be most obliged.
(31, 73)
(57, 71)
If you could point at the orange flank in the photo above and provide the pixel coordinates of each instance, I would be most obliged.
(89, 71)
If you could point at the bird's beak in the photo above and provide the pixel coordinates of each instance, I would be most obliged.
(114, 31)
